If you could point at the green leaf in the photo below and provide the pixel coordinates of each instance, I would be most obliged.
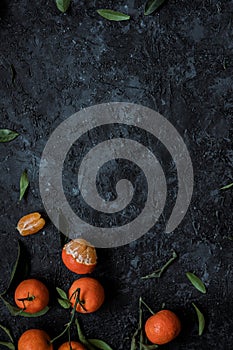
(7, 332)
(201, 319)
(82, 337)
(8, 345)
(149, 347)
(62, 293)
(15, 311)
(196, 282)
(113, 15)
(63, 5)
(99, 344)
(158, 273)
(64, 303)
(227, 186)
(152, 5)
(24, 182)
(7, 135)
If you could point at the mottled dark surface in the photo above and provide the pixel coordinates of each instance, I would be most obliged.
(177, 62)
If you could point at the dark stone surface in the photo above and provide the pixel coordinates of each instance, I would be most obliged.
(178, 62)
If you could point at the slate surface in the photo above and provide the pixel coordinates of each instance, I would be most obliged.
(177, 62)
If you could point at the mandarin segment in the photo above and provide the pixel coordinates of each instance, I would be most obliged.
(34, 339)
(79, 256)
(91, 294)
(74, 345)
(31, 295)
(162, 327)
(30, 224)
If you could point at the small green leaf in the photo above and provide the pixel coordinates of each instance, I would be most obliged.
(113, 15)
(196, 282)
(227, 186)
(152, 5)
(63, 5)
(8, 345)
(149, 347)
(99, 344)
(62, 293)
(15, 311)
(201, 319)
(64, 303)
(7, 135)
(24, 182)
(158, 273)
(7, 332)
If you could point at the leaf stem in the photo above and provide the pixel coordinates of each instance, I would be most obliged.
(158, 273)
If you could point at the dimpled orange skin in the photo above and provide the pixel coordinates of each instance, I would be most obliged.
(75, 346)
(35, 289)
(91, 293)
(162, 327)
(30, 224)
(79, 256)
(34, 339)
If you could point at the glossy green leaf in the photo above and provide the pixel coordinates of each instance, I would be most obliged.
(99, 344)
(7, 332)
(113, 15)
(64, 303)
(62, 293)
(24, 182)
(7, 135)
(8, 345)
(227, 186)
(152, 5)
(15, 311)
(201, 320)
(63, 5)
(158, 273)
(196, 282)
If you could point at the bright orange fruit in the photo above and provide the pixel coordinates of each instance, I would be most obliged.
(34, 339)
(91, 294)
(162, 327)
(79, 256)
(30, 224)
(74, 345)
(32, 296)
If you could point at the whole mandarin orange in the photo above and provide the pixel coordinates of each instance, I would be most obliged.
(79, 256)
(162, 327)
(34, 339)
(31, 295)
(74, 345)
(91, 294)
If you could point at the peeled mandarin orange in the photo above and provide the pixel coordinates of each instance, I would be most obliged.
(162, 327)
(31, 295)
(91, 294)
(30, 224)
(79, 256)
(74, 345)
(34, 339)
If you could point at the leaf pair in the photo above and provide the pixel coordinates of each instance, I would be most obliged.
(199, 285)
(150, 7)
(64, 300)
(10, 344)
(91, 344)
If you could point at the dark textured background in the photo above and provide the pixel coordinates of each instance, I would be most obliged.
(178, 62)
